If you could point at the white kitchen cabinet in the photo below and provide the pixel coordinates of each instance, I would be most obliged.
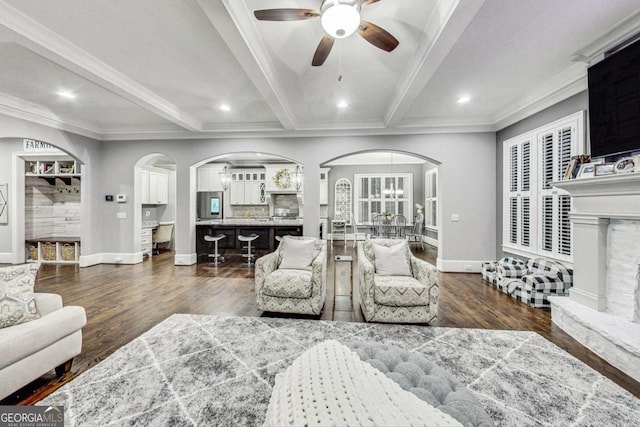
(209, 178)
(247, 187)
(144, 186)
(154, 187)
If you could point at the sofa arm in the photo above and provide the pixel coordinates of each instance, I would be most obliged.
(423, 272)
(48, 303)
(366, 273)
(319, 273)
(510, 271)
(263, 267)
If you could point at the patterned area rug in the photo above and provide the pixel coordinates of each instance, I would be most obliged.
(210, 370)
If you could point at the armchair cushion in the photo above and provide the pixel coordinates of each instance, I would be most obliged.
(288, 283)
(297, 254)
(399, 291)
(17, 299)
(391, 260)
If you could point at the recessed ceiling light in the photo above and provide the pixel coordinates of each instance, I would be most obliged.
(464, 99)
(62, 93)
(343, 104)
(225, 107)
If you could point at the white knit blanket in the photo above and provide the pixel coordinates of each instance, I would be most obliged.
(328, 385)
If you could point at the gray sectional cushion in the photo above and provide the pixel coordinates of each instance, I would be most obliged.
(426, 380)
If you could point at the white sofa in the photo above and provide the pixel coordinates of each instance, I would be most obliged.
(31, 349)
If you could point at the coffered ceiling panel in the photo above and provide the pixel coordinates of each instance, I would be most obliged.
(210, 68)
(30, 78)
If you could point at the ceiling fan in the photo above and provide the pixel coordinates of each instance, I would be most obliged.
(340, 19)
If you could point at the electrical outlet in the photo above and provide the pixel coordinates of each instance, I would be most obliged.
(455, 217)
(121, 215)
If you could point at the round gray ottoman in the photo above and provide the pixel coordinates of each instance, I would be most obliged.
(425, 379)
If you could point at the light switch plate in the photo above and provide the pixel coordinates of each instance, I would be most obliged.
(122, 215)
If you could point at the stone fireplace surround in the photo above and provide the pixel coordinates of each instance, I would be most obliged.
(602, 310)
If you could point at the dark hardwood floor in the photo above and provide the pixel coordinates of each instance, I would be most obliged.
(124, 301)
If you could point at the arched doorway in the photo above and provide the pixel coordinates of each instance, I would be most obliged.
(386, 182)
(155, 205)
(45, 204)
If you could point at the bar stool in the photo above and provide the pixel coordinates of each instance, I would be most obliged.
(217, 258)
(249, 255)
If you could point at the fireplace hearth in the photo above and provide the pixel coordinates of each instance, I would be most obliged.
(602, 311)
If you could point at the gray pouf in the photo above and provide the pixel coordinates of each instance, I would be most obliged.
(426, 380)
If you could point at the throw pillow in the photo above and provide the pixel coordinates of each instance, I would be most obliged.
(17, 300)
(297, 254)
(391, 260)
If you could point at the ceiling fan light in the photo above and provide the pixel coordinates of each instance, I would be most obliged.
(340, 21)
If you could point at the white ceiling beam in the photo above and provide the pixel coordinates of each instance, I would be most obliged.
(447, 23)
(235, 26)
(41, 40)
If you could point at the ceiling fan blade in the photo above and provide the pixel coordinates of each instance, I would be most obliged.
(324, 47)
(285, 14)
(366, 2)
(377, 36)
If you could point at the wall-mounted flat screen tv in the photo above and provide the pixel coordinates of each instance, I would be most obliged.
(614, 103)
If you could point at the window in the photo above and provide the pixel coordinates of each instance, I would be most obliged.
(384, 192)
(431, 199)
(535, 214)
(342, 207)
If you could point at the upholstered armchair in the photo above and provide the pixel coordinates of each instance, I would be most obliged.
(292, 279)
(394, 285)
(535, 282)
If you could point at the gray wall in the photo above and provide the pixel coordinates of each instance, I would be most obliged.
(569, 106)
(467, 181)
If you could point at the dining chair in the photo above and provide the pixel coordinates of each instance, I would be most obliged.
(415, 236)
(398, 225)
(354, 230)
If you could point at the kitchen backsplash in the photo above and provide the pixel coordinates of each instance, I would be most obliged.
(241, 211)
(286, 202)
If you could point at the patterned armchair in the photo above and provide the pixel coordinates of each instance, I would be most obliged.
(389, 298)
(540, 279)
(283, 289)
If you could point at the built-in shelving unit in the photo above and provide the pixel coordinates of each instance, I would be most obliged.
(52, 209)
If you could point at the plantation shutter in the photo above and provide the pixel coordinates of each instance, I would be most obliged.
(519, 214)
(556, 148)
(536, 218)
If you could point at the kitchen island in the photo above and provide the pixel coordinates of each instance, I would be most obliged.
(266, 229)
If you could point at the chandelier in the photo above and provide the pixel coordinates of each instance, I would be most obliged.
(225, 178)
(298, 178)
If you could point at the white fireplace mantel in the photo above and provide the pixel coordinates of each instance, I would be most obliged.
(596, 202)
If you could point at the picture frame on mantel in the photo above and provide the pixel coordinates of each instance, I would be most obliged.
(586, 170)
(604, 169)
(4, 203)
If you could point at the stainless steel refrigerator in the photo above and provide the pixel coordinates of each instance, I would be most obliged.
(210, 204)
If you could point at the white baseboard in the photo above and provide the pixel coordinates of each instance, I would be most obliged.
(6, 258)
(431, 241)
(459, 266)
(120, 258)
(185, 259)
(89, 260)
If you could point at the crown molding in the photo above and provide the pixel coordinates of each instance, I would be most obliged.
(569, 82)
(42, 41)
(617, 34)
(34, 113)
